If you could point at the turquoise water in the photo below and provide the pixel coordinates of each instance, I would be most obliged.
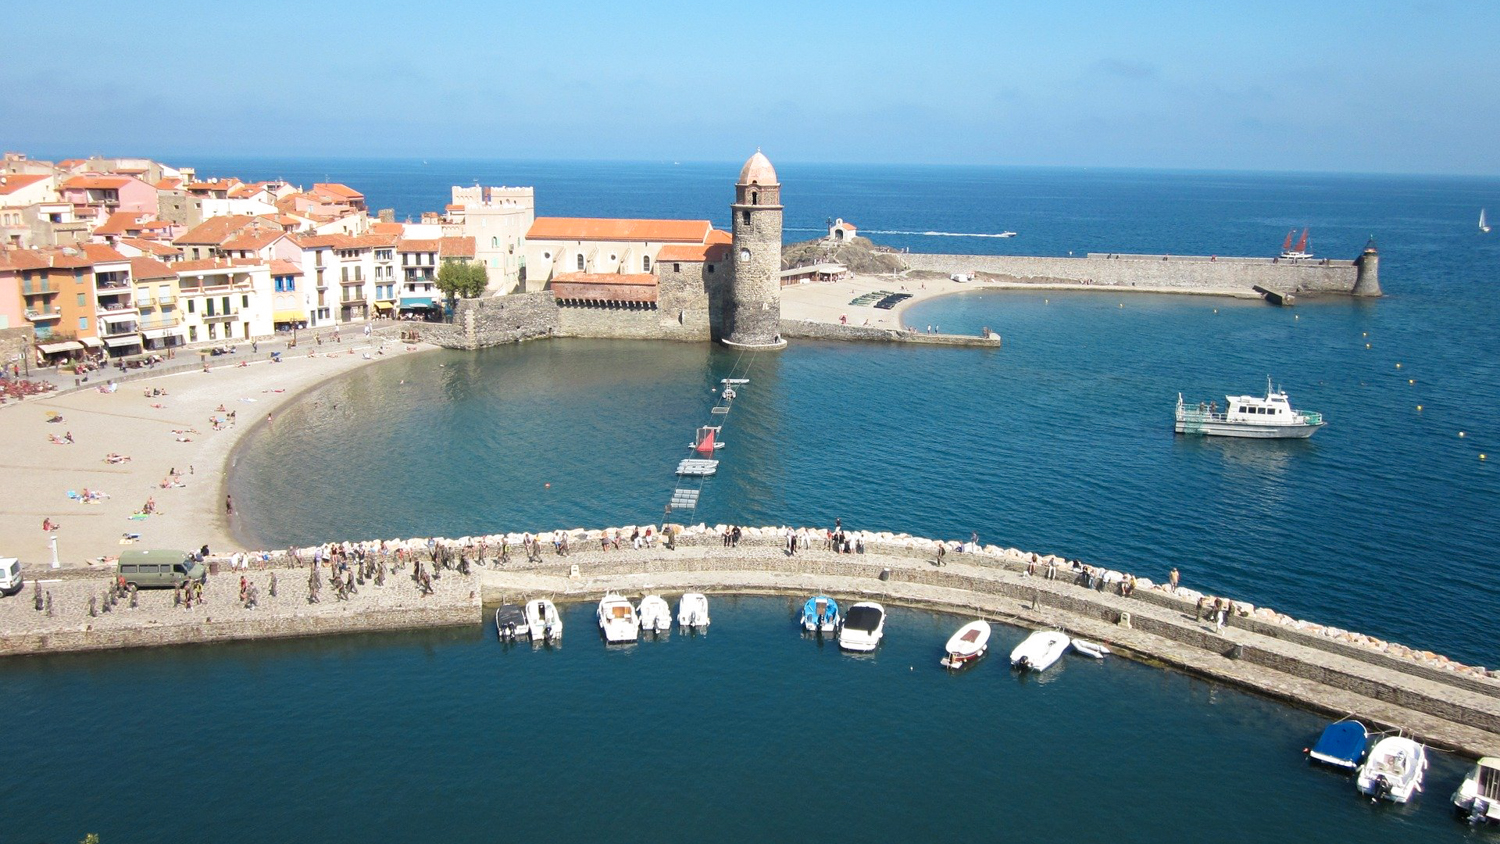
(748, 733)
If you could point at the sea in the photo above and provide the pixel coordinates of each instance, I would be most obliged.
(1060, 442)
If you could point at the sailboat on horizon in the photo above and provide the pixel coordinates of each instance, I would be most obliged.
(1301, 251)
(1484, 227)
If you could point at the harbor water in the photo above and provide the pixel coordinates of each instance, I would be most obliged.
(1061, 441)
(748, 733)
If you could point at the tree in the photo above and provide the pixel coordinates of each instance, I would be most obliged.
(458, 279)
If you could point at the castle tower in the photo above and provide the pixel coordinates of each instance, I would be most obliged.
(751, 315)
(1367, 277)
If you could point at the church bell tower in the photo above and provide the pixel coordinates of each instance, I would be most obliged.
(752, 310)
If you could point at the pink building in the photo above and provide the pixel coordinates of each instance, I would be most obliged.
(108, 194)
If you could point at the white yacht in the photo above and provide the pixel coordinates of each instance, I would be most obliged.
(1393, 770)
(864, 626)
(1266, 418)
(1039, 650)
(1478, 798)
(692, 610)
(1484, 226)
(617, 619)
(543, 621)
(656, 614)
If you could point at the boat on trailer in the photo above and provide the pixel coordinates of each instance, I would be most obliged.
(655, 614)
(864, 627)
(617, 619)
(1393, 771)
(1039, 650)
(543, 621)
(1478, 797)
(967, 645)
(1342, 745)
(1266, 418)
(820, 615)
(692, 610)
(510, 622)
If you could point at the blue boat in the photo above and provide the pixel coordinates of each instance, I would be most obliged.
(820, 615)
(1342, 745)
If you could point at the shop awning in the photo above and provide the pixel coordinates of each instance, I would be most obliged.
(288, 316)
(56, 348)
(158, 333)
(384, 306)
(118, 342)
(418, 302)
(91, 342)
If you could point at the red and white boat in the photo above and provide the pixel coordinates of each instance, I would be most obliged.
(968, 644)
(1301, 251)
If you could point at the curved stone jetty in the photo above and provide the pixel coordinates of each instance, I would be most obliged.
(1337, 672)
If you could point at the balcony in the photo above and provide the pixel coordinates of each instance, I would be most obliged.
(349, 297)
(155, 323)
(117, 329)
(116, 309)
(43, 314)
(223, 316)
(30, 288)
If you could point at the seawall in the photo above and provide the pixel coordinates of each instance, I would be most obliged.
(1230, 275)
(805, 329)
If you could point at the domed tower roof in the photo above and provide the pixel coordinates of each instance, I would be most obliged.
(758, 171)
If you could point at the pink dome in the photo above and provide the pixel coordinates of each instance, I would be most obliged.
(758, 171)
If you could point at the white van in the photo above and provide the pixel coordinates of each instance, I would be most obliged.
(10, 575)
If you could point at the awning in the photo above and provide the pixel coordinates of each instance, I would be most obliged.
(158, 333)
(127, 340)
(288, 316)
(91, 342)
(55, 348)
(418, 302)
(384, 306)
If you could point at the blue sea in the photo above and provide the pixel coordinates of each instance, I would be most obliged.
(1061, 441)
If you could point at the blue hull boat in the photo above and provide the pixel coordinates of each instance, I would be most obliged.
(820, 615)
(1342, 745)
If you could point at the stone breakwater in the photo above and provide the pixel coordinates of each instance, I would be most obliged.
(1447, 704)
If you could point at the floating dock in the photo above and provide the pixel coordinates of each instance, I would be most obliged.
(698, 468)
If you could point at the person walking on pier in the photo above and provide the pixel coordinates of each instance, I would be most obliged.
(1174, 577)
(942, 551)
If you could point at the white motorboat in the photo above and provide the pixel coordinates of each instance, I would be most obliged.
(1092, 649)
(1484, 226)
(656, 614)
(692, 610)
(1478, 797)
(1039, 651)
(543, 621)
(1393, 770)
(1271, 417)
(967, 645)
(864, 626)
(617, 619)
(820, 615)
(510, 622)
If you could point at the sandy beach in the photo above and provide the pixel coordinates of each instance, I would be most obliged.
(827, 302)
(158, 434)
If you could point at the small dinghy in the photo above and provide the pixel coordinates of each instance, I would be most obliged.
(656, 614)
(692, 611)
(820, 615)
(967, 645)
(542, 620)
(1039, 651)
(617, 619)
(1478, 798)
(864, 627)
(1342, 745)
(1394, 769)
(510, 622)
(1090, 649)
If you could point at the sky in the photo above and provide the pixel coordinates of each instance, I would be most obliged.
(1313, 86)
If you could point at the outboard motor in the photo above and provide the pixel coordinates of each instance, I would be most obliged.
(1381, 787)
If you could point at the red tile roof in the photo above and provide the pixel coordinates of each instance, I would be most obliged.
(97, 182)
(144, 267)
(280, 267)
(338, 189)
(388, 228)
(718, 236)
(417, 245)
(121, 222)
(168, 184)
(214, 230)
(99, 253)
(212, 184)
(152, 246)
(13, 182)
(253, 239)
(456, 247)
(585, 228)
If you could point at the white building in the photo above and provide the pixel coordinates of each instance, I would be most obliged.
(498, 219)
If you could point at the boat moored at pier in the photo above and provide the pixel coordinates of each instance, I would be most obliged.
(1478, 797)
(1393, 770)
(864, 627)
(967, 645)
(692, 611)
(1342, 745)
(820, 615)
(1039, 650)
(543, 621)
(1254, 417)
(617, 619)
(510, 622)
(655, 614)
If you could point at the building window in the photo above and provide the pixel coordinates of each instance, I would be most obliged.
(82, 300)
(245, 300)
(745, 215)
(710, 268)
(83, 323)
(213, 331)
(676, 268)
(755, 197)
(192, 333)
(580, 261)
(645, 263)
(546, 256)
(191, 304)
(494, 243)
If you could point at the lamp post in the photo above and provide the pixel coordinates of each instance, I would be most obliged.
(52, 544)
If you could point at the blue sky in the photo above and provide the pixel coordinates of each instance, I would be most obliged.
(1366, 87)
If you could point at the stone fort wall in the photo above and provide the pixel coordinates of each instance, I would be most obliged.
(1173, 272)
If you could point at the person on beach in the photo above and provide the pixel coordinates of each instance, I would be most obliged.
(229, 505)
(1173, 578)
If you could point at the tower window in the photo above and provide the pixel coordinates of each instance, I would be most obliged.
(755, 197)
(580, 261)
(746, 216)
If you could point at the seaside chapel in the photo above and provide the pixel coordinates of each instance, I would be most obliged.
(668, 279)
